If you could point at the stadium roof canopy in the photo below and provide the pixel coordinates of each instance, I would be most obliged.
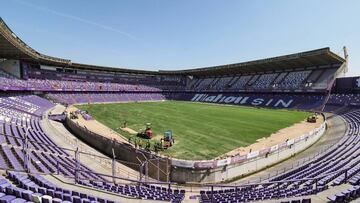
(12, 47)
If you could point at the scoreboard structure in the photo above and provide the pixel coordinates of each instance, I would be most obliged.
(347, 85)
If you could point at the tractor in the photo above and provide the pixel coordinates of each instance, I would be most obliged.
(311, 119)
(168, 140)
(148, 134)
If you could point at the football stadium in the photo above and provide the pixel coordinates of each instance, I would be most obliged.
(277, 129)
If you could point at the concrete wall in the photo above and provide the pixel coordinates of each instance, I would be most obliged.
(158, 169)
(12, 67)
(232, 171)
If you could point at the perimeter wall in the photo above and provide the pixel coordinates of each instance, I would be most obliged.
(149, 164)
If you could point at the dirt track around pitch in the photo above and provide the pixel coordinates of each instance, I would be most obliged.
(281, 136)
(97, 127)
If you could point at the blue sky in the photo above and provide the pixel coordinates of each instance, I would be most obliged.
(169, 34)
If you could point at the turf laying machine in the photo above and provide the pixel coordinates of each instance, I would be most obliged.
(147, 133)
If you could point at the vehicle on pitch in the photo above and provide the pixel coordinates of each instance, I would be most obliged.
(168, 140)
(147, 133)
(311, 119)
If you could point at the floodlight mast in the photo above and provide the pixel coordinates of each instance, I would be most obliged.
(344, 70)
(346, 57)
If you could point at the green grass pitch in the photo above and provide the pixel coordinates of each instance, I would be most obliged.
(201, 131)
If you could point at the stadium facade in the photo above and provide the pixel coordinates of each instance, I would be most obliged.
(31, 82)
